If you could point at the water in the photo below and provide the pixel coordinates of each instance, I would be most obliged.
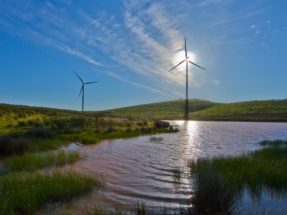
(140, 170)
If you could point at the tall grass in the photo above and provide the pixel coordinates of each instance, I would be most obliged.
(24, 193)
(211, 195)
(265, 168)
(30, 161)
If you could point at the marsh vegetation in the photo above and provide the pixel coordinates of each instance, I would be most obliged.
(220, 181)
(29, 134)
(29, 150)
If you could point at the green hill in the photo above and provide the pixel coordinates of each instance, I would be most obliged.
(268, 110)
(19, 117)
(162, 110)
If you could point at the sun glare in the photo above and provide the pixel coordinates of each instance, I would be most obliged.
(180, 56)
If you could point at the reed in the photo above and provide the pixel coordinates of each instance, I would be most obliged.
(26, 192)
(257, 169)
(211, 195)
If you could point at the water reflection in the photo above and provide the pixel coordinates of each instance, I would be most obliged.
(141, 170)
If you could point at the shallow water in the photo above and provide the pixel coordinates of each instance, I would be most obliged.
(140, 170)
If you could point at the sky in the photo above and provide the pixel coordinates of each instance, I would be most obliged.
(129, 46)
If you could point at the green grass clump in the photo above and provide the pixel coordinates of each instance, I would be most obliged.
(258, 169)
(211, 195)
(26, 192)
(30, 161)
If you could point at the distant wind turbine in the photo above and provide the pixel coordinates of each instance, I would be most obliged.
(83, 89)
(186, 60)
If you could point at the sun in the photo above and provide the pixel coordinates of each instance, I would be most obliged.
(180, 56)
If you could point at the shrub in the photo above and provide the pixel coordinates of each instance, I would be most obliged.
(171, 129)
(40, 132)
(60, 123)
(4, 143)
(10, 145)
(161, 124)
(111, 129)
(22, 123)
(128, 130)
(78, 122)
(69, 130)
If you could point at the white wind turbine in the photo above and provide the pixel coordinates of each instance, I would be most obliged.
(186, 60)
(83, 89)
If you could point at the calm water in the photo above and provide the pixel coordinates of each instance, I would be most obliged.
(139, 170)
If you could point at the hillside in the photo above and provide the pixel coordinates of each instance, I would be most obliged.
(162, 110)
(268, 110)
(18, 117)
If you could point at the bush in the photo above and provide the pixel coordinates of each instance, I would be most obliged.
(10, 145)
(128, 130)
(4, 143)
(69, 130)
(40, 132)
(60, 123)
(111, 129)
(161, 124)
(22, 123)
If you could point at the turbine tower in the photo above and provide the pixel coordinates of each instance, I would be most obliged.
(186, 60)
(83, 89)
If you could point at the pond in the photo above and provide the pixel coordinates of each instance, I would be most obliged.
(141, 169)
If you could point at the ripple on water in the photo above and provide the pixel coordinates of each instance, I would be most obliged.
(138, 170)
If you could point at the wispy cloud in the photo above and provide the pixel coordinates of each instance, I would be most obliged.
(141, 40)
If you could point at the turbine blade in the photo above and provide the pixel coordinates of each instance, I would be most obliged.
(185, 47)
(177, 65)
(79, 77)
(91, 82)
(81, 91)
(196, 65)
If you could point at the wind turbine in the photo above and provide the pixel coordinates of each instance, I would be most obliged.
(83, 89)
(186, 60)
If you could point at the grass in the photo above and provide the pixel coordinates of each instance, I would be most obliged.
(24, 193)
(177, 175)
(31, 162)
(211, 195)
(256, 170)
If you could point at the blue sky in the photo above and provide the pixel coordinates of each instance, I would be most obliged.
(129, 46)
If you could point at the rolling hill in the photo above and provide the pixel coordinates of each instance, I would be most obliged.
(267, 110)
(162, 110)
